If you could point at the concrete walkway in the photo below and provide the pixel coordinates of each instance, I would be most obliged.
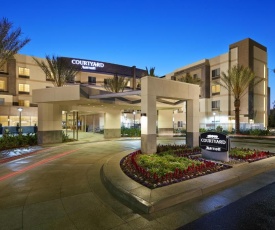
(60, 187)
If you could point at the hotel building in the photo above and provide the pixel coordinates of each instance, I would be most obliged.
(21, 75)
(216, 103)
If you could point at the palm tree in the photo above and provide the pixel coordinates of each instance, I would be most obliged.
(57, 69)
(189, 79)
(116, 84)
(151, 72)
(10, 42)
(236, 81)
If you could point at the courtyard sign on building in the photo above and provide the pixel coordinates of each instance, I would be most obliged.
(105, 68)
(87, 65)
(214, 146)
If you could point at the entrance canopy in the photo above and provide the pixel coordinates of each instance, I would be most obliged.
(155, 94)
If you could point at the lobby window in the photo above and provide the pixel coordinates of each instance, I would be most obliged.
(216, 89)
(24, 72)
(216, 73)
(215, 105)
(2, 101)
(24, 88)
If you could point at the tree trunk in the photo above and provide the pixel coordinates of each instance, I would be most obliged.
(237, 103)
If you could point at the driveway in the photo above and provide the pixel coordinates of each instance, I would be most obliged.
(59, 187)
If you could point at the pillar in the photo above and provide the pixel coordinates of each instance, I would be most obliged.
(192, 123)
(49, 123)
(148, 123)
(112, 124)
(165, 122)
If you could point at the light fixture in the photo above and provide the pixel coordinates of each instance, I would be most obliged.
(134, 118)
(20, 111)
(214, 114)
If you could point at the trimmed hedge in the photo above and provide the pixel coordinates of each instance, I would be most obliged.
(9, 141)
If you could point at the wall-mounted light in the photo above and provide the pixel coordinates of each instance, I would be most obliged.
(143, 114)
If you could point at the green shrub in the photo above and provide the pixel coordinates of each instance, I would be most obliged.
(130, 132)
(164, 163)
(219, 129)
(9, 141)
(65, 137)
(202, 130)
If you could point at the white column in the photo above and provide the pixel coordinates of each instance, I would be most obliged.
(49, 123)
(192, 129)
(165, 122)
(148, 124)
(112, 124)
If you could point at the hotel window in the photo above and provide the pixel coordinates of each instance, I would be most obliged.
(180, 124)
(2, 86)
(216, 89)
(4, 68)
(216, 73)
(91, 80)
(24, 72)
(24, 88)
(24, 103)
(215, 105)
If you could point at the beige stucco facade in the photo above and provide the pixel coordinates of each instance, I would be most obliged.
(216, 103)
(17, 87)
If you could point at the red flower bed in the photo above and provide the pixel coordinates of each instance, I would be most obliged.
(131, 168)
(248, 154)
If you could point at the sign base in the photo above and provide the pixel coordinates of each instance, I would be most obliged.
(219, 156)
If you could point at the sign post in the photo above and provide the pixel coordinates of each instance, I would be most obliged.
(214, 146)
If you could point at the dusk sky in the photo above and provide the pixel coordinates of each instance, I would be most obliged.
(163, 34)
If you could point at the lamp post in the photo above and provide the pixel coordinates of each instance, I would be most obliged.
(214, 114)
(20, 111)
(134, 118)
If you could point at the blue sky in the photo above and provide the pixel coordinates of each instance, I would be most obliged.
(153, 33)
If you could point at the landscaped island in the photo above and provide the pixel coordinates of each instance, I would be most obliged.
(176, 163)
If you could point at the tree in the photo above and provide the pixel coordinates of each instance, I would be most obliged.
(10, 42)
(57, 69)
(236, 81)
(189, 79)
(116, 84)
(151, 72)
(271, 117)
